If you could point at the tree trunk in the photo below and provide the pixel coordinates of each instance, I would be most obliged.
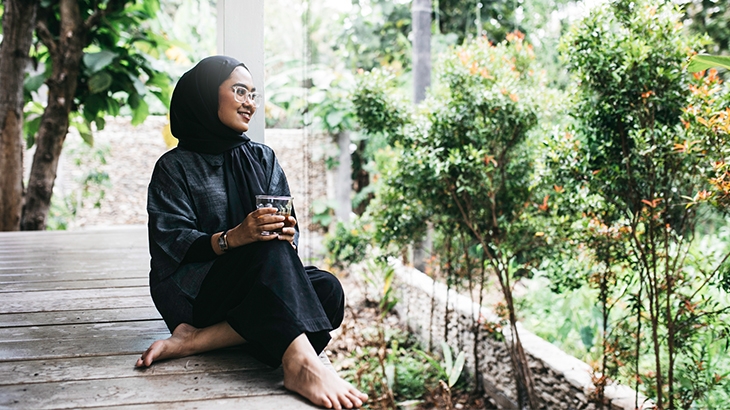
(18, 22)
(66, 53)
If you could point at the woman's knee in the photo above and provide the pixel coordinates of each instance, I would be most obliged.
(330, 293)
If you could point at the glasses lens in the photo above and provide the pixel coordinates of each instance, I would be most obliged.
(257, 99)
(240, 94)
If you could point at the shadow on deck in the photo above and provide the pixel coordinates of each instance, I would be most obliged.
(75, 313)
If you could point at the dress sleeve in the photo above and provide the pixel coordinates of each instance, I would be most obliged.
(200, 251)
(172, 221)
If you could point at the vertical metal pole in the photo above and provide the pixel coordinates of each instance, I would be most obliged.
(241, 36)
(421, 16)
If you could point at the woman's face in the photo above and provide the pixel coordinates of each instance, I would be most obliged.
(232, 113)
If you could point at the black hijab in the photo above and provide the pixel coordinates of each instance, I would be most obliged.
(194, 108)
(194, 122)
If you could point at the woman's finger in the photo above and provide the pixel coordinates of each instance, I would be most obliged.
(271, 226)
(270, 219)
(263, 211)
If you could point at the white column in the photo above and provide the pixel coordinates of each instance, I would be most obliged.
(241, 36)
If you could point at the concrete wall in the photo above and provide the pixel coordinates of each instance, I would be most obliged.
(561, 380)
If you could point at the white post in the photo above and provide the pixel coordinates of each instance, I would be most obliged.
(241, 36)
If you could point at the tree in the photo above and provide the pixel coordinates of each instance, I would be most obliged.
(711, 17)
(463, 163)
(18, 22)
(97, 57)
(469, 18)
(636, 167)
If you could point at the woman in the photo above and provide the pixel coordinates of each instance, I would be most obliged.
(215, 278)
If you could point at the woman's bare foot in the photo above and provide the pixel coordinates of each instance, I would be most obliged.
(305, 374)
(180, 344)
(187, 340)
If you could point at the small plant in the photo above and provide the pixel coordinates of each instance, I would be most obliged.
(323, 212)
(346, 244)
(379, 276)
(449, 370)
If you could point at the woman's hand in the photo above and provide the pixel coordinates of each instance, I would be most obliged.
(288, 231)
(260, 220)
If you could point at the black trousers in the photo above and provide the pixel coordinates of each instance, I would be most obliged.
(268, 297)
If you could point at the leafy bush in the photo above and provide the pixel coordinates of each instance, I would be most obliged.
(463, 163)
(629, 171)
(346, 245)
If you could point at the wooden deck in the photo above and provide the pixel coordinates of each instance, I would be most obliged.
(75, 314)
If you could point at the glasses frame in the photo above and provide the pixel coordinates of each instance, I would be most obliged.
(256, 98)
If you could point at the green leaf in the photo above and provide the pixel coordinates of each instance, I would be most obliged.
(133, 100)
(33, 83)
(100, 123)
(448, 360)
(390, 375)
(97, 61)
(112, 106)
(138, 84)
(704, 61)
(100, 82)
(334, 118)
(140, 113)
(30, 129)
(436, 365)
(93, 104)
(586, 336)
(83, 128)
(456, 371)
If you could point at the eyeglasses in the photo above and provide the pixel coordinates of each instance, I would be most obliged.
(242, 95)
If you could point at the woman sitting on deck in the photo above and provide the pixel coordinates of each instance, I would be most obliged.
(216, 279)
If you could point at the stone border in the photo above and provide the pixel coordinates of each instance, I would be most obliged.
(561, 381)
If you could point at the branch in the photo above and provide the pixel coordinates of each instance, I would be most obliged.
(98, 14)
(707, 280)
(703, 314)
(46, 37)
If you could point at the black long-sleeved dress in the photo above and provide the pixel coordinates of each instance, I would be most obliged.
(261, 289)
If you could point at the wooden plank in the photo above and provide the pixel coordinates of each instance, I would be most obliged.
(142, 390)
(75, 313)
(82, 263)
(74, 284)
(113, 236)
(119, 366)
(83, 299)
(77, 304)
(84, 331)
(54, 275)
(282, 402)
(78, 316)
(65, 348)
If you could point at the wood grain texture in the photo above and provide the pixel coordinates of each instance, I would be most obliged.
(69, 317)
(76, 313)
